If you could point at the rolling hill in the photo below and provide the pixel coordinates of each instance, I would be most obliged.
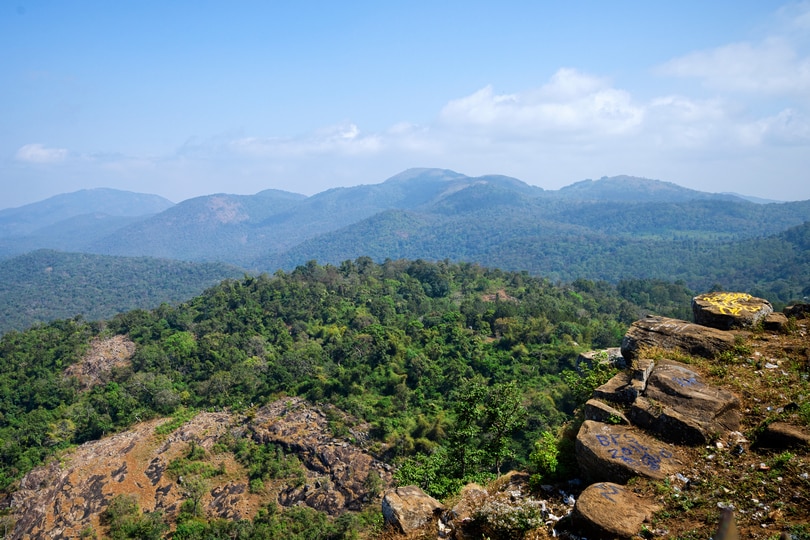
(45, 285)
(607, 229)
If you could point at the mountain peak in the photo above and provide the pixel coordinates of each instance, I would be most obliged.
(423, 174)
(624, 188)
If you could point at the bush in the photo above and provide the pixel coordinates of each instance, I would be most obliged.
(544, 457)
(502, 517)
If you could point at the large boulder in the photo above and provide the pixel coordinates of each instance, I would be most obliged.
(775, 322)
(614, 453)
(663, 332)
(408, 508)
(727, 310)
(608, 510)
(681, 408)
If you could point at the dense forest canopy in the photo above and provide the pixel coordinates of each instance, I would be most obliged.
(394, 344)
(45, 285)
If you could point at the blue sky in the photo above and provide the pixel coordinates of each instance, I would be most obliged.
(187, 98)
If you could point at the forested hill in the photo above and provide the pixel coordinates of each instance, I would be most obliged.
(613, 229)
(45, 285)
(393, 344)
(608, 247)
(271, 227)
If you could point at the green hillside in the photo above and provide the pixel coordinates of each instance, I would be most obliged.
(393, 344)
(47, 285)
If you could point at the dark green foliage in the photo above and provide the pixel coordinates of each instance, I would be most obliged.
(267, 462)
(442, 359)
(738, 244)
(295, 523)
(125, 520)
(47, 285)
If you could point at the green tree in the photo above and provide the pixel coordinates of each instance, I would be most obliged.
(465, 436)
(504, 414)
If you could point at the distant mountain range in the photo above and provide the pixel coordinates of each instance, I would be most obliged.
(276, 228)
(607, 229)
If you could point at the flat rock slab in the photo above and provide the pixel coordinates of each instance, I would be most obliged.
(408, 508)
(666, 333)
(608, 510)
(613, 453)
(727, 310)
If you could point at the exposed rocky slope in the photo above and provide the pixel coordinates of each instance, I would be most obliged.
(68, 496)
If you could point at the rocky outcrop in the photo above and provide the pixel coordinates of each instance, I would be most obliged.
(102, 356)
(408, 508)
(68, 496)
(797, 311)
(663, 332)
(728, 310)
(666, 404)
(340, 469)
(61, 499)
(681, 408)
(609, 510)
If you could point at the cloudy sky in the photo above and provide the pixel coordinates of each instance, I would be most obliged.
(186, 98)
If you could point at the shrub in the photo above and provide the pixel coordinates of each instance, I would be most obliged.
(502, 517)
(544, 457)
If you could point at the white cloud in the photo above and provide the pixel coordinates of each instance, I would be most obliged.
(771, 67)
(795, 16)
(345, 139)
(38, 153)
(787, 128)
(571, 104)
